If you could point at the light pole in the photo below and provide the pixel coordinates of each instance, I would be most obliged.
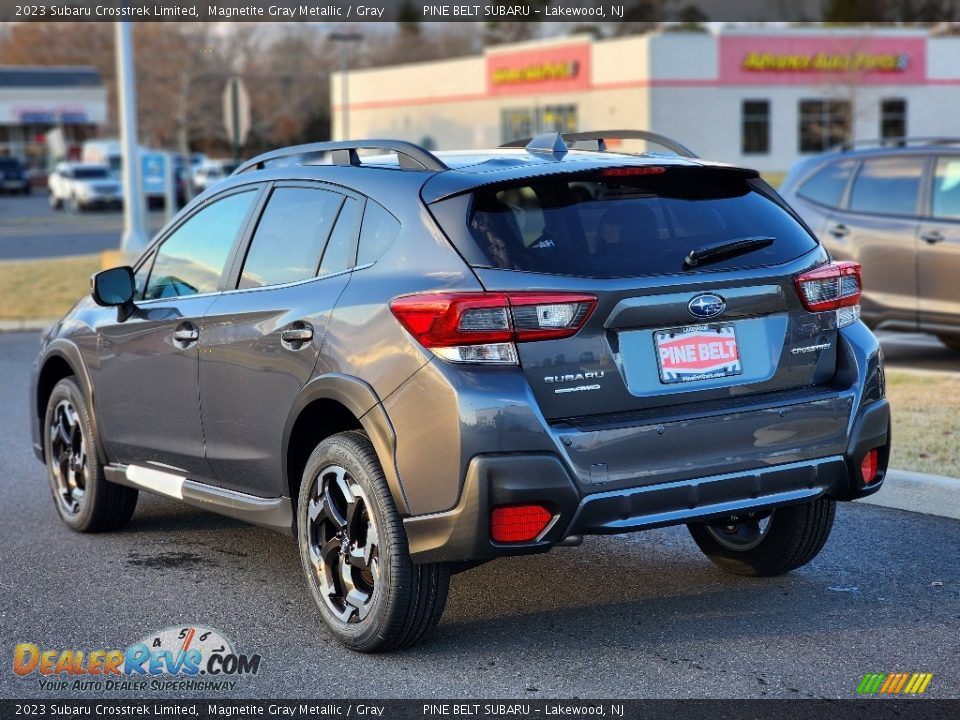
(134, 238)
(344, 39)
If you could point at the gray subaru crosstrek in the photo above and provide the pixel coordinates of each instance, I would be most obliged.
(415, 363)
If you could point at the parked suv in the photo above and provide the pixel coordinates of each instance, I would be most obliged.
(415, 363)
(13, 178)
(83, 186)
(895, 209)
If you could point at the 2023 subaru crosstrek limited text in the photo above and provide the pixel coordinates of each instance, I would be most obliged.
(414, 363)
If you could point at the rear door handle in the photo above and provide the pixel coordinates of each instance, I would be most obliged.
(933, 237)
(839, 230)
(186, 334)
(296, 336)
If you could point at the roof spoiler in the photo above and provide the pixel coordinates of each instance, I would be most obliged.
(559, 143)
(344, 152)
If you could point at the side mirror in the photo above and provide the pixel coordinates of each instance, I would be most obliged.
(114, 287)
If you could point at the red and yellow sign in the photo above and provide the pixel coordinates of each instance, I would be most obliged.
(552, 69)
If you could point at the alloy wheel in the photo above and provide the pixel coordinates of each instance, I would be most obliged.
(68, 457)
(344, 544)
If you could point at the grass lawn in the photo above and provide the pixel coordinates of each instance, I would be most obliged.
(926, 422)
(774, 178)
(44, 288)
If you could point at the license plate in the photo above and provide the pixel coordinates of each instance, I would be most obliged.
(697, 352)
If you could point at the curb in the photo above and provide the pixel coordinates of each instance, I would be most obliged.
(919, 493)
(28, 325)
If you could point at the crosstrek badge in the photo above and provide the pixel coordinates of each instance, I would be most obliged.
(699, 352)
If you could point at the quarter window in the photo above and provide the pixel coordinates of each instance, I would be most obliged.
(887, 186)
(379, 230)
(946, 189)
(826, 186)
(290, 236)
(193, 258)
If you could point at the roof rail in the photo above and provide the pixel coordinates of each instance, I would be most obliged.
(547, 142)
(344, 152)
(895, 142)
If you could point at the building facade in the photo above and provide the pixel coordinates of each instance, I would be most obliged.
(749, 97)
(36, 101)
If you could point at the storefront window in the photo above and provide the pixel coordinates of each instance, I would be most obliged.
(517, 123)
(823, 124)
(893, 118)
(559, 118)
(755, 133)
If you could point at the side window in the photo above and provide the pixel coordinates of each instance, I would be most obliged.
(192, 259)
(826, 186)
(341, 249)
(290, 236)
(946, 189)
(380, 228)
(888, 186)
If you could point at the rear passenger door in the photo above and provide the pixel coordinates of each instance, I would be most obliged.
(263, 335)
(938, 251)
(880, 226)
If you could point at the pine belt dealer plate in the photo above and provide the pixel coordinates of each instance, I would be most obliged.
(697, 352)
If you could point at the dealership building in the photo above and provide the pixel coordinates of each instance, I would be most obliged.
(760, 98)
(37, 100)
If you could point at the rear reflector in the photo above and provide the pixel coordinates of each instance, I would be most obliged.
(835, 286)
(483, 327)
(868, 467)
(518, 523)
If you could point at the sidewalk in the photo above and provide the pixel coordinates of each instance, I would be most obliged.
(916, 492)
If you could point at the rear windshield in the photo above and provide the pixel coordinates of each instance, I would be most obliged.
(625, 226)
(9, 164)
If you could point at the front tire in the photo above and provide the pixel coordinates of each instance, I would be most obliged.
(353, 549)
(761, 546)
(85, 500)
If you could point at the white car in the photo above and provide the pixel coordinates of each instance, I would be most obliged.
(210, 173)
(83, 186)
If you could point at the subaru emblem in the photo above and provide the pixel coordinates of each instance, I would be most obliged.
(706, 306)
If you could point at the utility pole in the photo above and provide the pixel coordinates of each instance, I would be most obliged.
(344, 39)
(134, 208)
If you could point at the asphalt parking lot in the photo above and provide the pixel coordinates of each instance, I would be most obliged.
(30, 229)
(632, 616)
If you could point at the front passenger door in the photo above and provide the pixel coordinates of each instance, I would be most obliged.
(147, 389)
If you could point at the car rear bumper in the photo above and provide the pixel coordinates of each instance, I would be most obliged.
(463, 533)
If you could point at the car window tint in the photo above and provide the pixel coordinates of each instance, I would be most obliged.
(290, 236)
(192, 259)
(946, 189)
(887, 186)
(826, 186)
(340, 250)
(378, 231)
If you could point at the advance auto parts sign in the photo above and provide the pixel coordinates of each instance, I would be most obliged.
(549, 69)
(790, 59)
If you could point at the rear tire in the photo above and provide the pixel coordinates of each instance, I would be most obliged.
(788, 538)
(55, 202)
(354, 553)
(951, 341)
(85, 500)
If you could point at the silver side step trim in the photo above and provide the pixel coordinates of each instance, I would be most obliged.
(274, 513)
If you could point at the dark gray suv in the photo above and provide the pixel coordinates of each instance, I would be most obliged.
(414, 363)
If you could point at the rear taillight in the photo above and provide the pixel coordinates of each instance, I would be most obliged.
(484, 327)
(518, 523)
(836, 287)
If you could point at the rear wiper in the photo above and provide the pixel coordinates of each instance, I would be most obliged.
(725, 250)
